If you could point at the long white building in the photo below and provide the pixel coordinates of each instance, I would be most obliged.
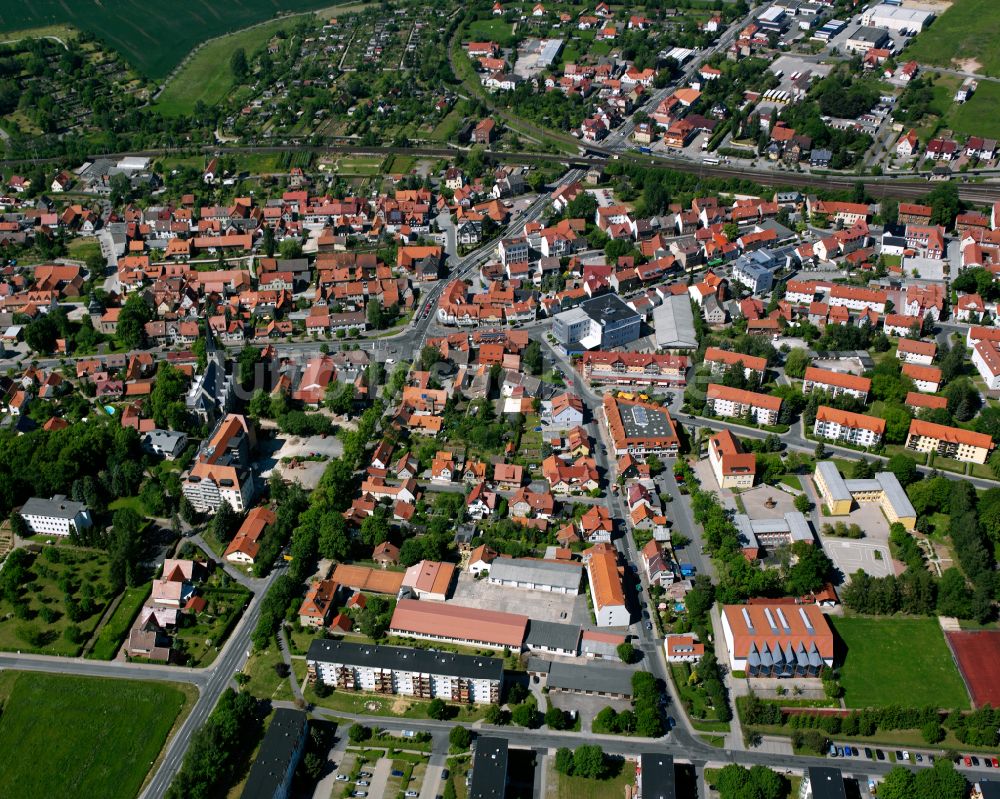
(408, 672)
(56, 516)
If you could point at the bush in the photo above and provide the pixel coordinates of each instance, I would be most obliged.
(460, 738)
(932, 732)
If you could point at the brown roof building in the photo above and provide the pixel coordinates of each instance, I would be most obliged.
(460, 625)
(639, 428)
(777, 640)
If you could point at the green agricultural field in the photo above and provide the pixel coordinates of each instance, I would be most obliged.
(80, 736)
(491, 30)
(155, 37)
(978, 117)
(898, 661)
(957, 35)
(207, 77)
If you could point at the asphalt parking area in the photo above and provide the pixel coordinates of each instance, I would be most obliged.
(540, 605)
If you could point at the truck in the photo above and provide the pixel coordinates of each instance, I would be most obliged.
(645, 150)
(687, 569)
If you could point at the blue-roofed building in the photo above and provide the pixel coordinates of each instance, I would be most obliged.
(755, 270)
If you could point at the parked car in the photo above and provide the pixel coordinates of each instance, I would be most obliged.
(996, 764)
(854, 751)
(967, 760)
(868, 753)
(341, 778)
(833, 750)
(840, 751)
(906, 755)
(975, 761)
(365, 775)
(397, 773)
(363, 783)
(919, 757)
(879, 754)
(899, 755)
(359, 793)
(410, 793)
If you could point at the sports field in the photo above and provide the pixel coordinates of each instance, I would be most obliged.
(978, 656)
(897, 661)
(957, 36)
(80, 736)
(153, 36)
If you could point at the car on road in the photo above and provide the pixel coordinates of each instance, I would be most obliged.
(649, 625)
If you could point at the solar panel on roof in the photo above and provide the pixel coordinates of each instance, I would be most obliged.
(639, 414)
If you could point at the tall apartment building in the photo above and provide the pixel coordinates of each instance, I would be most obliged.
(836, 383)
(399, 670)
(735, 402)
(949, 442)
(834, 424)
(222, 472)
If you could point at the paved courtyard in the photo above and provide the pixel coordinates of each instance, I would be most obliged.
(848, 554)
(307, 472)
(539, 605)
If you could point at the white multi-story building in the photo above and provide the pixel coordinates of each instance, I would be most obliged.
(834, 424)
(986, 358)
(222, 472)
(606, 590)
(736, 402)
(836, 383)
(56, 516)
(407, 672)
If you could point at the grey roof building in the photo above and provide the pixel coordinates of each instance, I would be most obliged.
(424, 661)
(489, 769)
(592, 679)
(56, 516)
(604, 321)
(537, 575)
(824, 783)
(271, 774)
(674, 324)
(655, 776)
(552, 636)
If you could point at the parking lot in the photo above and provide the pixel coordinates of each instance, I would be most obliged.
(307, 472)
(539, 605)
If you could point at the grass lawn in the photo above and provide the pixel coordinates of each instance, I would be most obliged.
(128, 502)
(39, 620)
(200, 642)
(976, 117)
(874, 673)
(264, 680)
(376, 705)
(958, 33)
(83, 248)
(792, 481)
(580, 788)
(446, 128)
(79, 736)
(113, 632)
(491, 30)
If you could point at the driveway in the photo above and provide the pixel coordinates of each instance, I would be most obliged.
(380, 776)
(432, 778)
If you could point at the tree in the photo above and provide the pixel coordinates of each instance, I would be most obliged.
(904, 467)
(267, 242)
(224, 523)
(340, 398)
(460, 737)
(437, 709)
(941, 781)
(944, 203)
(358, 733)
(899, 783)
(531, 358)
(125, 547)
(290, 249)
(238, 64)
(796, 363)
(588, 762)
(802, 503)
(564, 760)
(41, 334)
(132, 318)
(555, 719)
(932, 732)
(525, 715)
(494, 715)
(187, 511)
(626, 652)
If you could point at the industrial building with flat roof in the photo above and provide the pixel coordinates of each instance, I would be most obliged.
(654, 776)
(488, 778)
(553, 637)
(557, 577)
(839, 495)
(823, 782)
(776, 640)
(589, 679)
(409, 672)
(674, 324)
(601, 322)
(437, 621)
(640, 428)
(284, 742)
